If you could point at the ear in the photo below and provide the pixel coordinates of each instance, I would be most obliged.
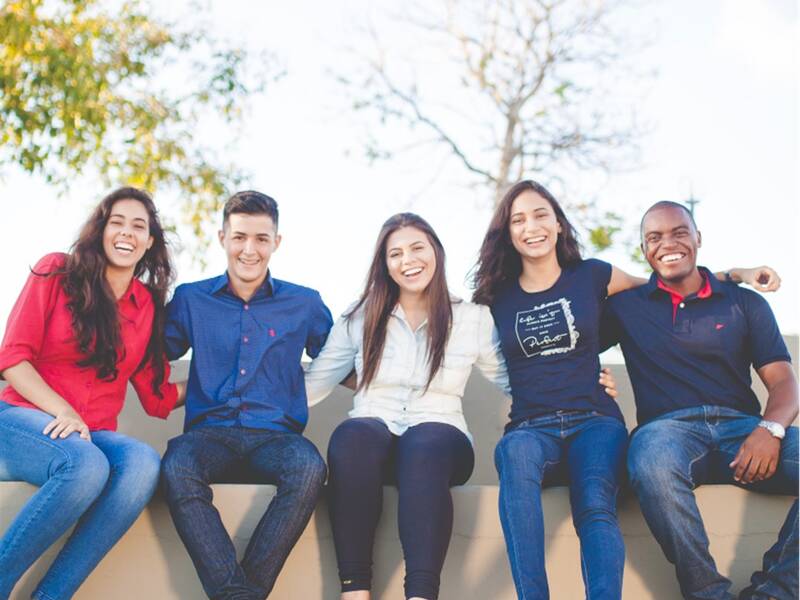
(221, 236)
(149, 243)
(278, 239)
(699, 239)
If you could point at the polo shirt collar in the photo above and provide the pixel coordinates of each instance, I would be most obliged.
(711, 286)
(222, 283)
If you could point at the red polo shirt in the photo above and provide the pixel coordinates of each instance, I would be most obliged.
(39, 330)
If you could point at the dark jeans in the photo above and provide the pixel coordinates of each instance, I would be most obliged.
(587, 451)
(424, 463)
(675, 453)
(222, 454)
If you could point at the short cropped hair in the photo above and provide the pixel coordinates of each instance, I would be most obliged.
(250, 202)
(666, 204)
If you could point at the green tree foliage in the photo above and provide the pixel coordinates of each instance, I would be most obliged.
(109, 88)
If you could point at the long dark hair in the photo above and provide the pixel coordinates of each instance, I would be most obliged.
(381, 294)
(91, 301)
(498, 260)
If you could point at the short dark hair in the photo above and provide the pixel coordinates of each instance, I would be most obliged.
(250, 202)
(666, 204)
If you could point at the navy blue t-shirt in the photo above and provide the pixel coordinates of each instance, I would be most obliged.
(702, 356)
(550, 341)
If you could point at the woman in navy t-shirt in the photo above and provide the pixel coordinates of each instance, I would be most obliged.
(564, 428)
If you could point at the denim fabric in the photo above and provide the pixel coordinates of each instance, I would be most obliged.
(102, 485)
(587, 451)
(208, 455)
(675, 453)
(423, 462)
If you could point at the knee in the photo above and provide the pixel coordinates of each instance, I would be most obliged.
(595, 501)
(85, 465)
(518, 454)
(140, 469)
(351, 441)
(178, 469)
(307, 471)
(653, 463)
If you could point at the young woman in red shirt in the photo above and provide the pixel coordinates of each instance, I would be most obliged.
(84, 325)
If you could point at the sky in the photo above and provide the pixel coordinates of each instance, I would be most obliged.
(721, 112)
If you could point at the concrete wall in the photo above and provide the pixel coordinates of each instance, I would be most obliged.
(150, 561)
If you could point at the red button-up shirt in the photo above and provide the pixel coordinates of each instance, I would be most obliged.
(40, 331)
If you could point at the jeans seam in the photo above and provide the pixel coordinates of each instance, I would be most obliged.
(691, 464)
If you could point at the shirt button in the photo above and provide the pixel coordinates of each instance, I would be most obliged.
(682, 305)
(245, 339)
(243, 371)
(247, 307)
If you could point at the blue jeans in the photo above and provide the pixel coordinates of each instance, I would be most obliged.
(680, 450)
(208, 455)
(102, 484)
(587, 451)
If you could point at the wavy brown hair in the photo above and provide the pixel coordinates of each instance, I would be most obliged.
(498, 260)
(92, 303)
(381, 294)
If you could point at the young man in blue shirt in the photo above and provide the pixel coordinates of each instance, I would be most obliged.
(689, 341)
(245, 403)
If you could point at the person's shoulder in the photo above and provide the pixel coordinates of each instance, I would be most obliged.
(305, 298)
(592, 263)
(202, 286)
(469, 312)
(50, 262)
(745, 297)
(287, 288)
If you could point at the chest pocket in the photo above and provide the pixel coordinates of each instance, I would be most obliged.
(453, 374)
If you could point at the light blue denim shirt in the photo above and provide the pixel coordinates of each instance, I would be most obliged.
(397, 394)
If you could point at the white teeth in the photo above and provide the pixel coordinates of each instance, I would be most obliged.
(123, 247)
(672, 257)
(412, 272)
(536, 240)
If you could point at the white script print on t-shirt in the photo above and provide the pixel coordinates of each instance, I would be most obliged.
(548, 328)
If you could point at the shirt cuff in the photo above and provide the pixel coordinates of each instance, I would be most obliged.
(12, 356)
(167, 403)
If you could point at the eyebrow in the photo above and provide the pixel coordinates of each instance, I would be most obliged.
(259, 234)
(121, 216)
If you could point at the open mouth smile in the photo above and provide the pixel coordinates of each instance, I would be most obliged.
(673, 257)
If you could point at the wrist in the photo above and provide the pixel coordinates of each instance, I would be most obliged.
(733, 276)
(774, 428)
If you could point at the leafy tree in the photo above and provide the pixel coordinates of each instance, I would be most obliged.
(510, 89)
(110, 88)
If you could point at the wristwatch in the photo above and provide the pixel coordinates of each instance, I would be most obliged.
(776, 430)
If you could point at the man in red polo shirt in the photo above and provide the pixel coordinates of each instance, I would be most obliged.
(689, 342)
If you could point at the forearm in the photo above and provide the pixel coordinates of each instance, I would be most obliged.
(25, 379)
(181, 385)
(782, 402)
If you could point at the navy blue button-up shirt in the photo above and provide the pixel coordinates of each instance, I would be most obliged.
(245, 368)
(702, 355)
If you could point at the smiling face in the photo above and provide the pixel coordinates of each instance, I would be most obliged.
(126, 235)
(533, 226)
(410, 260)
(249, 241)
(670, 242)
